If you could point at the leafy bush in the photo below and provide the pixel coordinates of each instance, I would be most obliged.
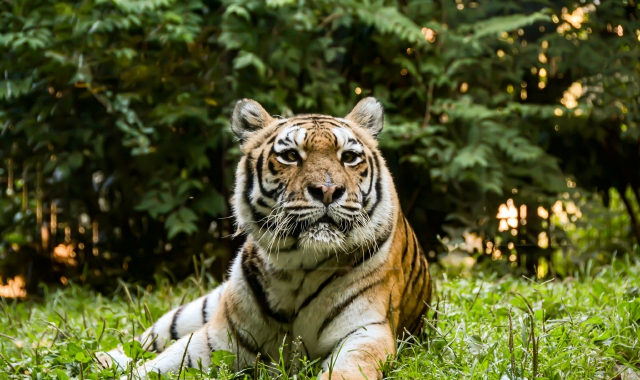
(115, 149)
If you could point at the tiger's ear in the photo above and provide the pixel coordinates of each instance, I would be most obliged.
(368, 114)
(248, 117)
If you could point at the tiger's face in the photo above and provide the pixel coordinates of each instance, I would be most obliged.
(310, 182)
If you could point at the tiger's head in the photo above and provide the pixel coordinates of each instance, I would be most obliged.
(312, 183)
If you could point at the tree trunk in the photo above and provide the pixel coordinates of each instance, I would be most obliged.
(632, 215)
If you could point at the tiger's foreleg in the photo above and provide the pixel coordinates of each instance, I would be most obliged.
(194, 350)
(360, 353)
(173, 325)
(191, 350)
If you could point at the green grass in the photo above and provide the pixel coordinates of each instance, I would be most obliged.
(485, 327)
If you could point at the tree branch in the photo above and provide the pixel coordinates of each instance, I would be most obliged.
(632, 214)
(427, 112)
(330, 18)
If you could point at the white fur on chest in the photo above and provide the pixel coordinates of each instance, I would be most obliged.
(289, 294)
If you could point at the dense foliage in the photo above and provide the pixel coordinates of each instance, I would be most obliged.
(115, 152)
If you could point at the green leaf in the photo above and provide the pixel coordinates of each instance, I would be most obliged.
(222, 357)
(133, 349)
(279, 3)
(245, 59)
(180, 221)
(82, 358)
(388, 20)
(471, 156)
(210, 202)
(61, 375)
(14, 238)
(494, 26)
(234, 9)
(75, 160)
(173, 17)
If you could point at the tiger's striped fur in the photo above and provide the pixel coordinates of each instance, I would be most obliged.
(329, 259)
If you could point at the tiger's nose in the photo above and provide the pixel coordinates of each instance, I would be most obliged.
(326, 194)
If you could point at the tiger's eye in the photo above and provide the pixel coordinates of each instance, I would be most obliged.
(349, 157)
(291, 155)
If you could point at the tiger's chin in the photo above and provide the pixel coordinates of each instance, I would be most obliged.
(322, 237)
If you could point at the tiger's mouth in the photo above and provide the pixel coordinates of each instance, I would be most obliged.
(325, 222)
(324, 219)
(324, 232)
(321, 229)
(328, 233)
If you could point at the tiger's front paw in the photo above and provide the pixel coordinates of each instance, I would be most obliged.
(115, 356)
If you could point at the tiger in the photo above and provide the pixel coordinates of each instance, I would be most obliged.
(329, 258)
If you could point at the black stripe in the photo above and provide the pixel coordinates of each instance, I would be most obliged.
(414, 258)
(421, 269)
(417, 273)
(373, 171)
(188, 360)
(154, 341)
(406, 240)
(272, 168)
(414, 327)
(416, 282)
(265, 192)
(411, 265)
(337, 345)
(308, 118)
(426, 285)
(249, 174)
(318, 264)
(298, 208)
(369, 253)
(329, 120)
(424, 302)
(337, 310)
(378, 186)
(425, 305)
(204, 310)
(174, 321)
(315, 294)
(257, 217)
(294, 130)
(252, 274)
(416, 244)
(311, 116)
(240, 338)
(206, 331)
(281, 122)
